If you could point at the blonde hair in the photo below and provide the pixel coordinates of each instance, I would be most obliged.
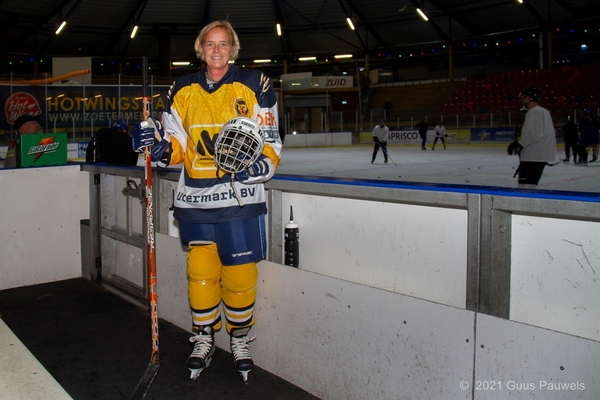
(235, 41)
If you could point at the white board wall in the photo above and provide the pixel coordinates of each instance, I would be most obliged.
(555, 274)
(41, 210)
(414, 250)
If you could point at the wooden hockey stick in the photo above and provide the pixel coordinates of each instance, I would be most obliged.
(152, 370)
(391, 159)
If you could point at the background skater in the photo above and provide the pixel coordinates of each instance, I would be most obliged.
(423, 127)
(537, 145)
(570, 138)
(440, 134)
(381, 134)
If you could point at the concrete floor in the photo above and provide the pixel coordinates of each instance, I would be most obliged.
(96, 345)
(479, 165)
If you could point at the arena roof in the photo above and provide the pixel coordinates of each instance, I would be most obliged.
(384, 29)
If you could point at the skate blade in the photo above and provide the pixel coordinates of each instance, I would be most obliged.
(244, 376)
(194, 373)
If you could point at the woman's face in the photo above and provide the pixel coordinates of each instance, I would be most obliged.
(217, 48)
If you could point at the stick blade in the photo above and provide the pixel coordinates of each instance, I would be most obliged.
(144, 384)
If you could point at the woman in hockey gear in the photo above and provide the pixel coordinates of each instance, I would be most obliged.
(538, 139)
(225, 239)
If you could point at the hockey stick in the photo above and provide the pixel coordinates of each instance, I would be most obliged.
(384, 149)
(392, 160)
(152, 370)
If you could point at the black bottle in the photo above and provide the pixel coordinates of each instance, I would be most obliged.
(292, 245)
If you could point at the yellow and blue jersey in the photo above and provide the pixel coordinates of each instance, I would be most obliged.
(196, 110)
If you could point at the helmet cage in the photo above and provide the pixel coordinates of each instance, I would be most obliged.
(238, 145)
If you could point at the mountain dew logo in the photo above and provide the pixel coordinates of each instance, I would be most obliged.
(47, 145)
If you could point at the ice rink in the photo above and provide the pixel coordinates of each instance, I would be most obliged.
(472, 164)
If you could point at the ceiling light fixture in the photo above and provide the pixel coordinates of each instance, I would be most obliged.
(134, 31)
(262, 60)
(181, 63)
(422, 14)
(278, 29)
(343, 56)
(60, 28)
(307, 58)
(350, 23)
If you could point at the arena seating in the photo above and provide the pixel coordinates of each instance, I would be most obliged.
(565, 89)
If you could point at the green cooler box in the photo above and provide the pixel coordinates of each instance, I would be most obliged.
(39, 149)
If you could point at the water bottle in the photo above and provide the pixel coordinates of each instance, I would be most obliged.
(292, 245)
(95, 149)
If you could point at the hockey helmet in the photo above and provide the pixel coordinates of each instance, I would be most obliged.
(238, 145)
(534, 92)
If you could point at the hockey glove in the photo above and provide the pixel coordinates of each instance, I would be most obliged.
(514, 148)
(150, 133)
(261, 171)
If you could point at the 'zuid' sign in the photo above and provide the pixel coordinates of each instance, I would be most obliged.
(335, 81)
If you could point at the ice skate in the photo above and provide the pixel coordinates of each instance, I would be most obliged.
(204, 348)
(242, 360)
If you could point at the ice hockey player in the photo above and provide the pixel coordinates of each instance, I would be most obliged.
(224, 240)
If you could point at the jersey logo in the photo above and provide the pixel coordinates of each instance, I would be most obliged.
(265, 83)
(206, 144)
(240, 107)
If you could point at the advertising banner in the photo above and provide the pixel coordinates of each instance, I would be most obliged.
(67, 108)
(411, 136)
(492, 135)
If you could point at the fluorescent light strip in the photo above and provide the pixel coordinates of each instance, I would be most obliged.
(343, 56)
(264, 60)
(184, 63)
(307, 58)
(60, 28)
(422, 14)
(350, 23)
(278, 29)
(134, 31)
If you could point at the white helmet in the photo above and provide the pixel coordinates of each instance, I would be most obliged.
(238, 145)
